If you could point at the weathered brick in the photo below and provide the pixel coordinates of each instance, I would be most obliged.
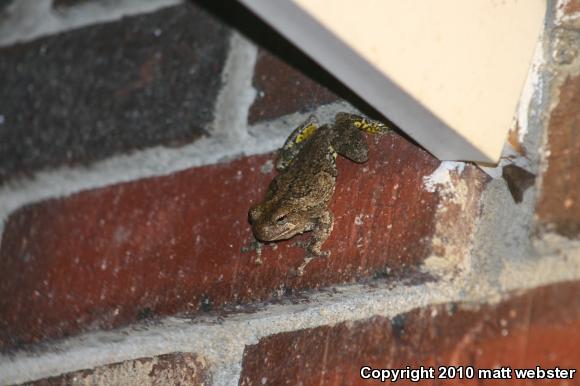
(282, 90)
(538, 328)
(110, 88)
(169, 369)
(559, 204)
(571, 7)
(109, 256)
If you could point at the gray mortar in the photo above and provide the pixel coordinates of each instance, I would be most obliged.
(355, 302)
(564, 32)
(231, 138)
(237, 94)
(505, 233)
(25, 20)
(222, 343)
(504, 258)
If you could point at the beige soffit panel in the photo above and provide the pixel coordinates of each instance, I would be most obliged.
(447, 72)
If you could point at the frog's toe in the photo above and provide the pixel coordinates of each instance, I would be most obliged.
(312, 254)
(300, 269)
(316, 251)
(323, 254)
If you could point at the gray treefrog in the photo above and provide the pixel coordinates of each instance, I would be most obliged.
(297, 198)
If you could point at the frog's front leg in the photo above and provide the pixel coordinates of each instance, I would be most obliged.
(295, 142)
(321, 232)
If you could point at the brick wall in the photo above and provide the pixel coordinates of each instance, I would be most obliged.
(134, 137)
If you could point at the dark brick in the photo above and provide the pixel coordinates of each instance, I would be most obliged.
(538, 328)
(70, 3)
(169, 369)
(559, 204)
(3, 5)
(110, 88)
(283, 90)
(110, 256)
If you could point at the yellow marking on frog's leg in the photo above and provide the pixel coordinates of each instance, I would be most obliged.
(306, 133)
(368, 125)
(302, 132)
(295, 142)
(362, 123)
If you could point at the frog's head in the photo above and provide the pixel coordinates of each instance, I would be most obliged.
(279, 224)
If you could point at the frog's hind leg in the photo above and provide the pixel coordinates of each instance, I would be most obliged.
(349, 142)
(320, 234)
(295, 142)
(361, 123)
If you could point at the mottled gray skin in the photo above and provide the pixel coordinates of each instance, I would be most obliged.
(297, 199)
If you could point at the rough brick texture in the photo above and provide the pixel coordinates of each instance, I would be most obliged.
(170, 369)
(176, 243)
(538, 328)
(181, 244)
(572, 7)
(283, 90)
(110, 88)
(559, 204)
(558, 207)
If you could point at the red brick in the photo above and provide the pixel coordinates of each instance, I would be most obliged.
(283, 90)
(559, 204)
(169, 369)
(540, 327)
(571, 7)
(158, 246)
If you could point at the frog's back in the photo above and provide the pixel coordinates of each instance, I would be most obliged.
(317, 155)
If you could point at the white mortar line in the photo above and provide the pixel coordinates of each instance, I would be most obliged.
(30, 19)
(152, 162)
(560, 16)
(232, 138)
(223, 344)
(237, 94)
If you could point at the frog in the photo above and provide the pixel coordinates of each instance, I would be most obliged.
(297, 199)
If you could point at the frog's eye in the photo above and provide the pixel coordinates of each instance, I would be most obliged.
(281, 220)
